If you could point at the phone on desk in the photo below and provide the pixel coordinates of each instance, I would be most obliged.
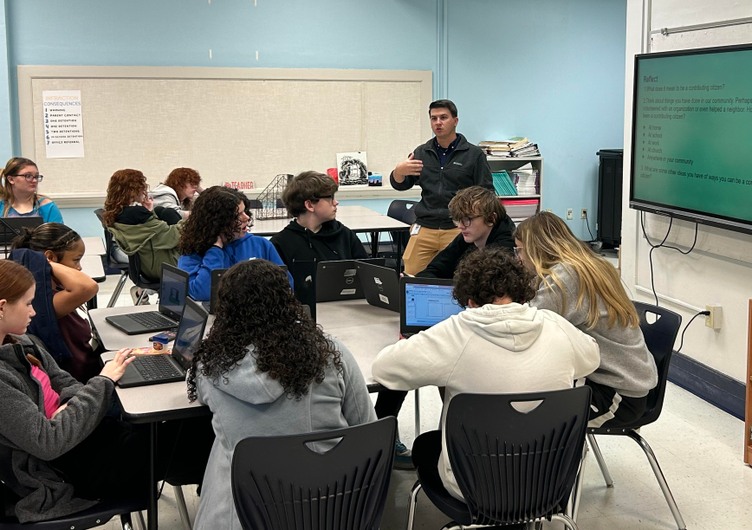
(165, 337)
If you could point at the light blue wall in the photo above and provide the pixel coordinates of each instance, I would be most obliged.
(6, 150)
(550, 70)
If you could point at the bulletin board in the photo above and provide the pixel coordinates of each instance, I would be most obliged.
(233, 125)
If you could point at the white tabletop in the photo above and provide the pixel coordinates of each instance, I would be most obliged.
(94, 246)
(364, 329)
(91, 264)
(356, 218)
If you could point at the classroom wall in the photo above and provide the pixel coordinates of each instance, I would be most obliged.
(518, 67)
(719, 270)
(5, 103)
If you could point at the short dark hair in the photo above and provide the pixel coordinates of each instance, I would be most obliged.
(476, 200)
(489, 273)
(444, 104)
(307, 186)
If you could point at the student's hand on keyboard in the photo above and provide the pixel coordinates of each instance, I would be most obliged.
(116, 367)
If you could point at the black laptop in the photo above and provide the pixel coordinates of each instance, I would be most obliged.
(380, 285)
(338, 280)
(155, 369)
(425, 302)
(173, 291)
(10, 227)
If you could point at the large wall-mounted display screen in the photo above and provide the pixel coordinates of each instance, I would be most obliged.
(692, 136)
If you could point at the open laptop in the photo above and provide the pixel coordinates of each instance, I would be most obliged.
(425, 302)
(173, 291)
(216, 276)
(154, 369)
(380, 285)
(338, 280)
(10, 227)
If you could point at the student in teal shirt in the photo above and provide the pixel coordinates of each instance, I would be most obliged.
(19, 196)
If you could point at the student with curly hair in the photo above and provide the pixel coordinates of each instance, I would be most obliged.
(266, 369)
(586, 290)
(498, 344)
(19, 196)
(63, 249)
(215, 236)
(482, 221)
(138, 226)
(178, 190)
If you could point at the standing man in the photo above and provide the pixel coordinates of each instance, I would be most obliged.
(442, 166)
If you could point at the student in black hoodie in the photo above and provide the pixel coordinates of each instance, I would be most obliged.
(483, 222)
(314, 234)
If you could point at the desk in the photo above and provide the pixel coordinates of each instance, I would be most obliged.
(154, 403)
(359, 219)
(94, 246)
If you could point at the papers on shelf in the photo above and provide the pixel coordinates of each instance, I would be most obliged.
(520, 208)
(526, 180)
(503, 183)
(517, 146)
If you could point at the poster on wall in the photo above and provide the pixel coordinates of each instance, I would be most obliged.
(352, 168)
(63, 123)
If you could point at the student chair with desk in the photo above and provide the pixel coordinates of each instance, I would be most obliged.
(115, 259)
(513, 464)
(139, 280)
(401, 210)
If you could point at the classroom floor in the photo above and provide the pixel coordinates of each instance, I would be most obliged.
(698, 447)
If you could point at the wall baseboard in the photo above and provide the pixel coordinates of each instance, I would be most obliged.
(716, 388)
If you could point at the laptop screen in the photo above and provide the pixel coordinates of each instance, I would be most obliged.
(426, 302)
(173, 291)
(190, 333)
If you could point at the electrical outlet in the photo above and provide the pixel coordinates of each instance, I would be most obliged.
(713, 320)
(583, 213)
(570, 214)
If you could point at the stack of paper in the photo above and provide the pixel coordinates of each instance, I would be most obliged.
(517, 146)
(526, 180)
(500, 148)
(521, 208)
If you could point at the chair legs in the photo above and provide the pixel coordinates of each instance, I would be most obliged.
(182, 508)
(634, 435)
(118, 289)
(413, 502)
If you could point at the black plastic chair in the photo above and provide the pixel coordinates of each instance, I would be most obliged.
(98, 515)
(660, 336)
(512, 467)
(402, 210)
(139, 280)
(115, 259)
(281, 482)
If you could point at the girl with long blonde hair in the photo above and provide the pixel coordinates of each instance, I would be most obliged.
(586, 290)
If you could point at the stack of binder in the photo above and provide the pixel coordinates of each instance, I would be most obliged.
(503, 183)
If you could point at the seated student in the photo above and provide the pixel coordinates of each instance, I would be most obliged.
(482, 221)
(178, 190)
(60, 455)
(499, 344)
(314, 234)
(266, 369)
(139, 227)
(71, 289)
(215, 237)
(587, 290)
(18, 195)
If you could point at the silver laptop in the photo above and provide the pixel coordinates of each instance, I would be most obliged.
(425, 302)
(155, 369)
(380, 285)
(173, 292)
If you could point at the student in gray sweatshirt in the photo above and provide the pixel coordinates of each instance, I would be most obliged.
(587, 290)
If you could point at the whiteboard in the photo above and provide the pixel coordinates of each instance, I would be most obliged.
(242, 125)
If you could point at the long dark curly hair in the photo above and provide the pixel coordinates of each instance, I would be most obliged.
(257, 310)
(214, 214)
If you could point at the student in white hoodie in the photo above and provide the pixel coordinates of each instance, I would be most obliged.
(178, 190)
(498, 344)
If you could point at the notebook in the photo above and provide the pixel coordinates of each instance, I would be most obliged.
(425, 302)
(338, 280)
(380, 285)
(155, 369)
(173, 291)
(10, 227)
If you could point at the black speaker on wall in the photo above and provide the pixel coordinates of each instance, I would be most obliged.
(610, 172)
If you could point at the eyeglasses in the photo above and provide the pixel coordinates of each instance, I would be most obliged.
(31, 177)
(327, 197)
(465, 221)
(518, 251)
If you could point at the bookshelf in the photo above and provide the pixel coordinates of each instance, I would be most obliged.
(520, 207)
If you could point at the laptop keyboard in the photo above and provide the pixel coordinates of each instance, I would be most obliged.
(152, 319)
(155, 367)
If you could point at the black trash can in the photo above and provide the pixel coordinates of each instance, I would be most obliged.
(610, 172)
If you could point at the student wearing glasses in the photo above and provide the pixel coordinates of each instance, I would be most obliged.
(19, 196)
(215, 236)
(482, 221)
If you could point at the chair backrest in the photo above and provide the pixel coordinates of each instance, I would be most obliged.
(281, 482)
(402, 210)
(136, 276)
(114, 260)
(514, 466)
(660, 331)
